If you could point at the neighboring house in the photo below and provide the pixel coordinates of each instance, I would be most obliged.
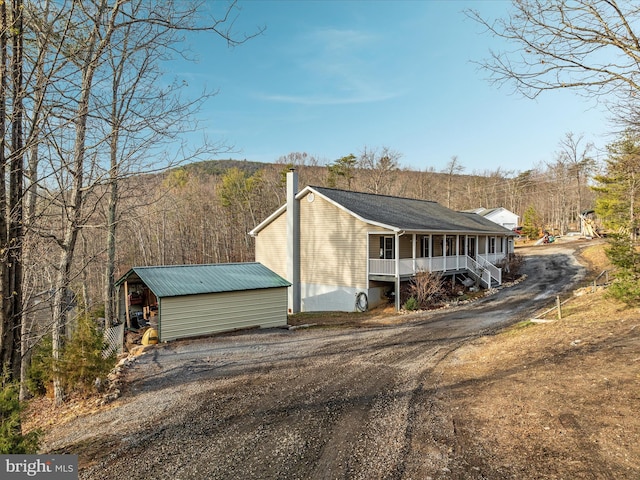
(499, 215)
(193, 300)
(342, 250)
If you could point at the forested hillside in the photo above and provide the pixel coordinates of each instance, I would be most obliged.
(201, 213)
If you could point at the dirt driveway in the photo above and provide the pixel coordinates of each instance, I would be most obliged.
(318, 403)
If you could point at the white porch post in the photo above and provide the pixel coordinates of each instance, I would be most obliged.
(368, 250)
(413, 239)
(397, 255)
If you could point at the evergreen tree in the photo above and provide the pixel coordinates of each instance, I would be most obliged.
(619, 190)
(619, 186)
(624, 254)
(531, 223)
(12, 440)
(342, 168)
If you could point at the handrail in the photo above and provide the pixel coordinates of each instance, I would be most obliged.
(482, 268)
(495, 271)
(479, 270)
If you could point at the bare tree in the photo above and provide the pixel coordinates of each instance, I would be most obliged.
(11, 211)
(380, 168)
(140, 117)
(575, 153)
(102, 44)
(452, 168)
(586, 45)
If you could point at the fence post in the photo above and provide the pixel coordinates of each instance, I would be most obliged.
(559, 307)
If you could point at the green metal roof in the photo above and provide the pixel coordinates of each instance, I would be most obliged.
(176, 280)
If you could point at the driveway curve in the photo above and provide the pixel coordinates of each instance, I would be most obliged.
(308, 403)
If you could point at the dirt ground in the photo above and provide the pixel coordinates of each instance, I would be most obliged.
(470, 392)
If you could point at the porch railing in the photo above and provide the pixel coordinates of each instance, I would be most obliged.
(481, 268)
(496, 272)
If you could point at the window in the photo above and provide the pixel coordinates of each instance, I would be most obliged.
(424, 246)
(472, 247)
(462, 245)
(451, 245)
(387, 249)
(492, 244)
(437, 245)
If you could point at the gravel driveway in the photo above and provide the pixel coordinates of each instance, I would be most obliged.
(315, 403)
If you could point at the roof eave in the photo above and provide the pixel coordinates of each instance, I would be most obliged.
(306, 190)
(254, 232)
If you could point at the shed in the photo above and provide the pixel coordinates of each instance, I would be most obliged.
(193, 300)
(499, 215)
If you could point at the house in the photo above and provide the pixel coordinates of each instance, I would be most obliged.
(345, 251)
(499, 215)
(194, 300)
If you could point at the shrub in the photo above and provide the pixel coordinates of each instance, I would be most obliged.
(626, 288)
(81, 361)
(427, 288)
(12, 440)
(40, 371)
(411, 304)
(511, 266)
(623, 254)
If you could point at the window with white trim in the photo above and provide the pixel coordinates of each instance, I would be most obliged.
(387, 248)
(450, 244)
(424, 246)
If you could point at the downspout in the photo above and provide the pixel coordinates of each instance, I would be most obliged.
(293, 242)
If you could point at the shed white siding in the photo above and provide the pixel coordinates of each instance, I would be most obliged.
(205, 314)
(503, 217)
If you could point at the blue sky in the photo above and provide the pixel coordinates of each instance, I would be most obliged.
(332, 77)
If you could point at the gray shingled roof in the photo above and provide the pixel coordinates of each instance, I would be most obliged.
(410, 214)
(176, 280)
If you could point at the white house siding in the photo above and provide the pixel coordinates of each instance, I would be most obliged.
(205, 314)
(271, 246)
(329, 298)
(504, 217)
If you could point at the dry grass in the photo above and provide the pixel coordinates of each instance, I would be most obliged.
(563, 394)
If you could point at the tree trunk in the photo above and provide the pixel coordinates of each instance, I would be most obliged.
(95, 45)
(5, 318)
(13, 294)
(109, 287)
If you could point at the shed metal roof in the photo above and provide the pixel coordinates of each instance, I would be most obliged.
(177, 280)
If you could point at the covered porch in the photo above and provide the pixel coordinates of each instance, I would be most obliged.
(402, 255)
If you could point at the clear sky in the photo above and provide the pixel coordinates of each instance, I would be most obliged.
(332, 77)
